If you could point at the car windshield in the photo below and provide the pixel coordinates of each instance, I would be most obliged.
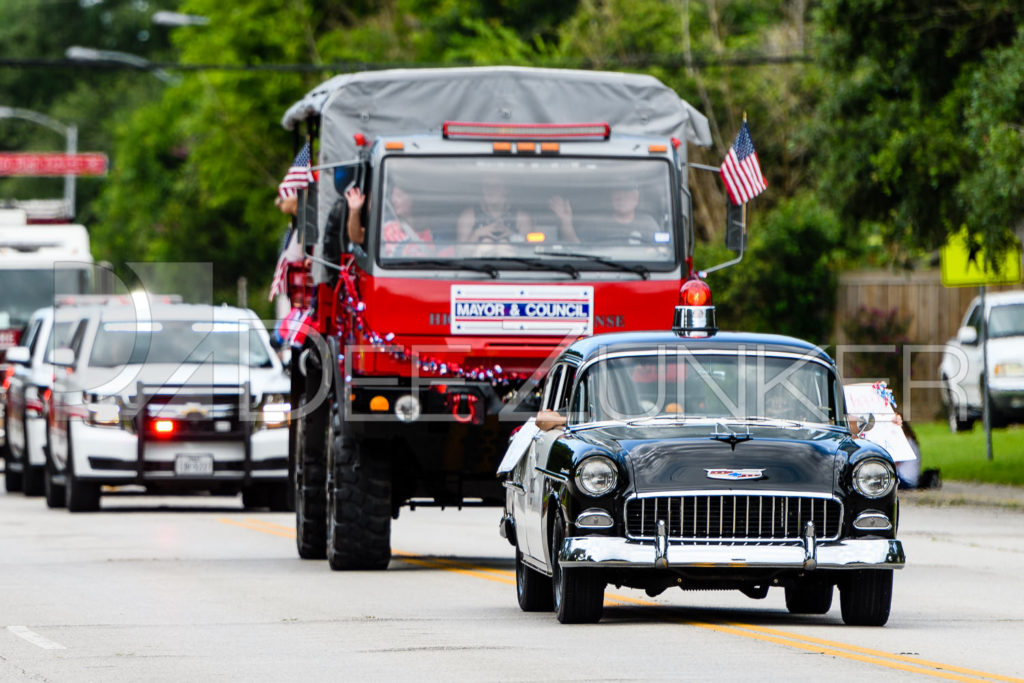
(178, 341)
(535, 213)
(24, 291)
(680, 385)
(1006, 321)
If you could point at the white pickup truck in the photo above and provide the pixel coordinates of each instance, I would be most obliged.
(961, 366)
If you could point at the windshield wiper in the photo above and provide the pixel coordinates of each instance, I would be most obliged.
(637, 269)
(450, 265)
(542, 264)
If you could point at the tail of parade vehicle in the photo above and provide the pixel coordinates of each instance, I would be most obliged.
(501, 214)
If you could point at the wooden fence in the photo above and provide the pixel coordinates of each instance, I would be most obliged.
(933, 311)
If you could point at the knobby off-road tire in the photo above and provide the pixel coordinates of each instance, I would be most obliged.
(866, 597)
(577, 593)
(358, 501)
(809, 597)
(310, 482)
(533, 589)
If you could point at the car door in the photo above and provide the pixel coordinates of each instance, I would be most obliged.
(537, 494)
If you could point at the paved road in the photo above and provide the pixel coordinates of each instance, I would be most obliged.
(172, 589)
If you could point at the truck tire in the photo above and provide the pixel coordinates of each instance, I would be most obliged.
(32, 483)
(310, 481)
(358, 501)
(577, 593)
(54, 492)
(866, 597)
(79, 496)
(956, 424)
(12, 480)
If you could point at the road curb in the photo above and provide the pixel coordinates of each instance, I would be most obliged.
(958, 493)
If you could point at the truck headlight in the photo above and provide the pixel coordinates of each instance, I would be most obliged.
(274, 409)
(1008, 369)
(597, 475)
(102, 411)
(873, 478)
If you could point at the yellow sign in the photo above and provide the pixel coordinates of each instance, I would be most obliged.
(963, 264)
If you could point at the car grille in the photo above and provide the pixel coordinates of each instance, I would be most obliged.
(731, 517)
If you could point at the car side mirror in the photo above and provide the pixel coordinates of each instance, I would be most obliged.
(18, 354)
(550, 419)
(967, 335)
(865, 422)
(63, 357)
(735, 229)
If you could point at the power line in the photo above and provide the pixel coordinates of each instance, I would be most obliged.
(647, 60)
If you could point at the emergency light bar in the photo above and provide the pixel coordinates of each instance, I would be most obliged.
(456, 130)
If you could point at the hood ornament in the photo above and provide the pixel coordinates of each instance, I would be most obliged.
(734, 475)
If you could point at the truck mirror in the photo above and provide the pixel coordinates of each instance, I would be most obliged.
(967, 335)
(735, 228)
(18, 354)
(63, 357)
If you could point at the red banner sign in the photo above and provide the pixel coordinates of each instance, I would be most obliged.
(52, 164)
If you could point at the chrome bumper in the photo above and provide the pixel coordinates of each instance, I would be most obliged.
(604, 551)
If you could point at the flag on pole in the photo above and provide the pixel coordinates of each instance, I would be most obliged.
(290, 253)
(299, 175)
(740, 171)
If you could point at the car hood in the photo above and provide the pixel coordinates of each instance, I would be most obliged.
(771, 459)
(123, 381)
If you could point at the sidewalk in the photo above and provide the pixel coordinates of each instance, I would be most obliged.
(967, 493)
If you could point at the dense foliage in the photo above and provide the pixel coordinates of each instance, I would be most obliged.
(899, 121)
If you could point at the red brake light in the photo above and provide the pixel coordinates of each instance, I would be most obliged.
(695, 293)
(165, 427)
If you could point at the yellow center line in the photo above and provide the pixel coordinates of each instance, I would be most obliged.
(752, 631)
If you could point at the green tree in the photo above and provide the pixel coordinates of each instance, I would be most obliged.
(896, 157)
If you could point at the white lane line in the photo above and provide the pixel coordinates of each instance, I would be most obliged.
(31, 636)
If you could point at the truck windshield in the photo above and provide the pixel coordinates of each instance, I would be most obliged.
(177, 341)
(22, 291)
(528, 214)
(728, 387)
(1006, 321)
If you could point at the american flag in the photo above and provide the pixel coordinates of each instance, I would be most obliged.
(298, 176)
(740, 170)
(290, 252)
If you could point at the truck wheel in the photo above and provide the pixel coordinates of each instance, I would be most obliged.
(310, 478)
(533, 589)
(12, 480)
(577, 593)
(953, 415)
(358, 501)
(809, 597)
(255, 496)
(32, 480)
(54, 492)
(79, 496)
(866, 596)
(279, 497)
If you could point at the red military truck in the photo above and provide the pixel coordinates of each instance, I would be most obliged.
(507, 212)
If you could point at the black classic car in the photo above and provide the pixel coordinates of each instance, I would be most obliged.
(700, 460)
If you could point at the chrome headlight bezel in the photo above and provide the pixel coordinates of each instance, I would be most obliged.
(873, 478)
(597, 476)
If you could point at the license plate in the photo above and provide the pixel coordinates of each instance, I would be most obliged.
(193, 464)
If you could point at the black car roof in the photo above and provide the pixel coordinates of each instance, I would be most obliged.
(584, 349)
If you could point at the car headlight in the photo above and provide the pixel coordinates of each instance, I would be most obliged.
(274, 409)
(873, 478)
(597, 475)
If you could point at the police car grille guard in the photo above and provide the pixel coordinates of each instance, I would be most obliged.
(230, 402)
(734, 518)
